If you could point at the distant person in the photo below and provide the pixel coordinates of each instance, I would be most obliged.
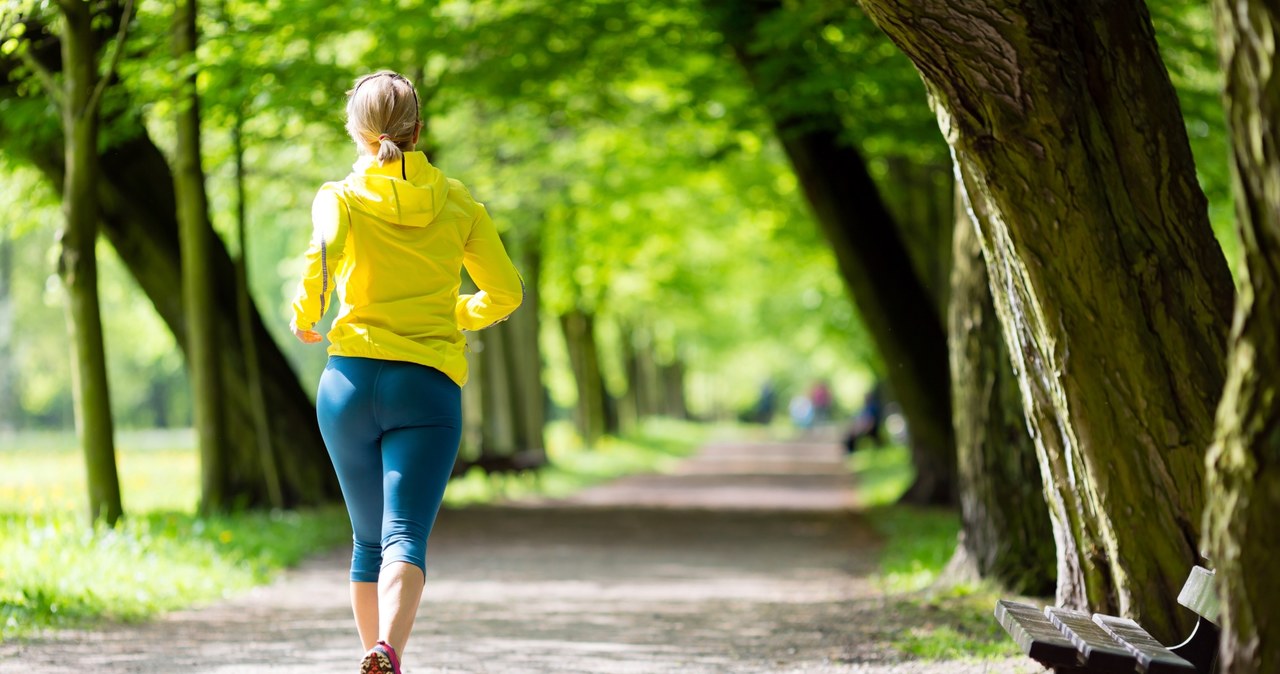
(391, 238)
(869, 422)
(765, 404)
(801, 411)
(820, 396)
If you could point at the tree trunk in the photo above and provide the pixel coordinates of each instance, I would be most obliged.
(498, 437)
(78, 263)
(1111, 290)
(1244, 462)
(1002, 504)
(137, 209)
(524, 361)
(673, 389)
(579, 336)
(913, 196)
(197, 282)
(895, 305)
(245, 311)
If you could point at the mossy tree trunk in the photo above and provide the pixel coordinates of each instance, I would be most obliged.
(1002, 504)
(80, 98)
(1112, 293)
(899, 313)
(195, 240)
(1244, 463)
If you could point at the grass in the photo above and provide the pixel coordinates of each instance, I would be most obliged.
(58, 570)
(947, 621)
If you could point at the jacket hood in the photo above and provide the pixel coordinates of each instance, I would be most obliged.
(410, 193)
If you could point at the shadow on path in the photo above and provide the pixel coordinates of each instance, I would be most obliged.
(747, 558)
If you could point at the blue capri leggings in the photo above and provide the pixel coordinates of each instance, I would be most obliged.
(392, 429)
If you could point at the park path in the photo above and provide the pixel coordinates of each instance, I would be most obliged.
(747, 557)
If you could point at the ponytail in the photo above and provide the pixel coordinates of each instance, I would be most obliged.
(382, 115)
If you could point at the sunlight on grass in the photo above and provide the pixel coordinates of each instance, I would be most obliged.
(954, 623)
(882, 474)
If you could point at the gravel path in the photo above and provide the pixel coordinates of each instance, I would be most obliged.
(747, 558)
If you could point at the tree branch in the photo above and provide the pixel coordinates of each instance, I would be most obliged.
(115, 58)
(43, 74)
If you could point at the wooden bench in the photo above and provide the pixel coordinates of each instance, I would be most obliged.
(1070, 641)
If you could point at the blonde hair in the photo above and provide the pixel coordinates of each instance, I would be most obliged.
(382, 115)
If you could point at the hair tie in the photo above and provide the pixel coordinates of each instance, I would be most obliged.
(383, 137)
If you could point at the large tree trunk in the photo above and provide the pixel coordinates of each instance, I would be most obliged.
(1002, 505)
(195, 240)
(896, 307)
(78, 262)
(1244, 463)
(1112, 293)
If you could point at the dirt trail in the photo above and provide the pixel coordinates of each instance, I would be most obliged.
(747, 558)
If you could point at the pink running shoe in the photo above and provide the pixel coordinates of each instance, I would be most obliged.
(381, 659)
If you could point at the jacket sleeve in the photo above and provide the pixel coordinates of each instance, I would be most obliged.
(501, 288)
(330, 222)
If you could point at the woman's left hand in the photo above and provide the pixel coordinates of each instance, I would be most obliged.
(304, 336)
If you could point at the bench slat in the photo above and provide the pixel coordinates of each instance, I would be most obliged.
(1035, 635)
(1101, 652)
(1153, 657)
(1200, 595)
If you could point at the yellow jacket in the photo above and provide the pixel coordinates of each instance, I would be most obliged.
(395, 239)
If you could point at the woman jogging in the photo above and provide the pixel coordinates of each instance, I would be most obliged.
(392, 238)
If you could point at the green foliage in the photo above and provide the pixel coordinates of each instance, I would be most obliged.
(617, 142)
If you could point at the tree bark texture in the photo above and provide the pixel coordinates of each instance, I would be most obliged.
(1113, 295)
(1244, 462)
(78, 262)
(1003, 512)
(195, 238)
(870, 251)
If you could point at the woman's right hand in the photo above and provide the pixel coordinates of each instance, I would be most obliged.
(304, 336)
